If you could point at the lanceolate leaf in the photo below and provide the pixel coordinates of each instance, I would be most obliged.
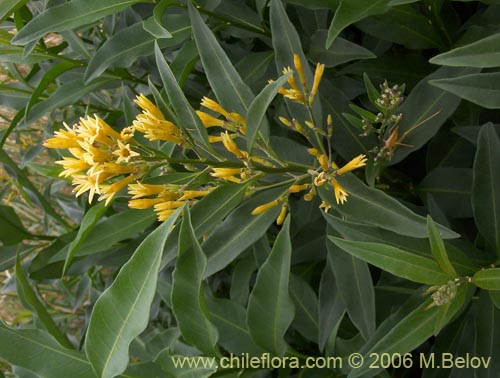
(188, 300)
(187, 118)
(425, 110)
(353, 279)
(400, 263)
(410, 332)
(37, 351)
(270, 308)
(122, 312)
(350, 11)
(482, 53)
(239, 231)
(233, 94)
(87, 224)
(438, 249)
(372, 206)
(69, 15)
(30, 300)
(486, 184)
(12, 230)
(487, 332)
(258, 108)
(488, 279)
(123, 49)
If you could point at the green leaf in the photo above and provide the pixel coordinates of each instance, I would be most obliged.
(405, 25)
(31, 301)
(286, 42)
(122, 311)
(130, 43)
(372, 206)
(439, 250)
(67, 94)
(258, 107)
(351, 11)
(306, 320)
(488, 279)
(39, 352)
(207, 214)
(482, 53)
(410, 332)
(86, 226)
(68, 16)
(153, 25)
(425, 110)
(121, 226)
(396, 261)
(232, 93)
(270, 308)
(186, 117)
(12, 230)
(188, 300)
(487, 332)
(481, 89)
(239, 231)
(331, 307)
(241, 279)
(353, 279)
(230, 320)
(9, 6)
(486, 181)
(341, 51)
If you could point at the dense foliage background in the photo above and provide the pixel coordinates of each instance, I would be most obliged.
(407, 264)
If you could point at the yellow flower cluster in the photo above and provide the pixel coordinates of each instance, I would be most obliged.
(104, 161)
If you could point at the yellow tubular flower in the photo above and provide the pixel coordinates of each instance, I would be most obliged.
(124, 152)
(147, 105)
(298, 66)
(232, 147)
(63, 139)
(285, 121)
(357, 162)
(72, 166)
(318, 74)
(168, 205)
(326, 207)
(164, 214)
(108, 192)
(144, 203)
(227, 174)
(208, 120)
(127, 133)
(314, 152)
(323, 161)
(140, 190)
(320, 179)
(340, 193)
(298, 188)
(84, 183)
(263, 208)
(96, 130)
(190, 194)
(214, 106)
(281, 216)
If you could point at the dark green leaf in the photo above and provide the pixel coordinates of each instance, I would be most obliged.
(270, 308)
(487, 329)
(372, 206)
(439, 250)
(351, 11)
(86, 226)
(486, 184)
(398, 262)
(353, 279)
(122, 312)
(232, 93)
(188, 300)
(306, 320)
(482, 53)
(153, 25)
(258, 108)
(488, 279)
(481, 89)
(12, 230)
(38, 352)
(31, 301)
(69, 15)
